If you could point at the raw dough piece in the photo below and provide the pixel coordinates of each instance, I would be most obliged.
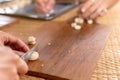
(79, 20)
(73, 24)
(34, 56)
(31, 40)
(77, 27)
(77, 23)
(34, 42)
(90, 21)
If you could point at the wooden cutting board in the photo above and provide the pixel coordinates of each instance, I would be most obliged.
(25, 77)
(72, 55)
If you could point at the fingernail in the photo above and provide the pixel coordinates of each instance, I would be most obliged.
(47, 7)
(105, 10)
(82, 10)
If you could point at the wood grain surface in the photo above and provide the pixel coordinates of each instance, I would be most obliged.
(72, 54)
(30, 78)
(5, 20)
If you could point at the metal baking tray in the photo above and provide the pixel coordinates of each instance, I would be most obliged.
(29, 11)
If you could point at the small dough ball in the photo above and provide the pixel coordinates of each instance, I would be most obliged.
(31, 40)
(79, 20)
(73, 24)
(77, 27)
(90, 21)
(34, 56)
(34, 42)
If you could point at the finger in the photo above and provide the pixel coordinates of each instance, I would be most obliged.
(80, 16)
(1, 43)
(17, 64)
(9, 72)
(92, 9)
(16, 43)
(21, 45)
(96, 13)
(40, 9)
(103, 12)
(41, 6)
(86, 6)
(41, 3)
(22, 67)
(16, 77)
(46, 1)
(13, 42)
(50, 5)
(79, 11)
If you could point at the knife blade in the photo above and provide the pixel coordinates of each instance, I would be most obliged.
(26, 56)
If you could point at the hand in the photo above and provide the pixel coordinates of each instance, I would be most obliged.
(44, 6)
(14, 43)
(95, 8)
(11, 65)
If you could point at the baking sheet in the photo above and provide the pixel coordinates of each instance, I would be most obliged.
(5, 20)
(29, 11)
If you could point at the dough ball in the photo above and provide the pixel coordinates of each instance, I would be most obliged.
(34, 42)
(79, 20)
(77, 27)
(34, 56)
(73, 24)
(31, 40)
(90, 21)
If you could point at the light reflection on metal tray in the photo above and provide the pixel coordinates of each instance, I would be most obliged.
(29, 11)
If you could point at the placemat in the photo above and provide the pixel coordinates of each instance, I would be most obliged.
(108, 66)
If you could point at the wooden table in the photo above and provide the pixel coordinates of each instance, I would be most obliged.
(26, 24)
(108, 66)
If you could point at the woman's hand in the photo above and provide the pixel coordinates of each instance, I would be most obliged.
(14, 43)
(11, 65)
(95, 8)
(44, 6)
